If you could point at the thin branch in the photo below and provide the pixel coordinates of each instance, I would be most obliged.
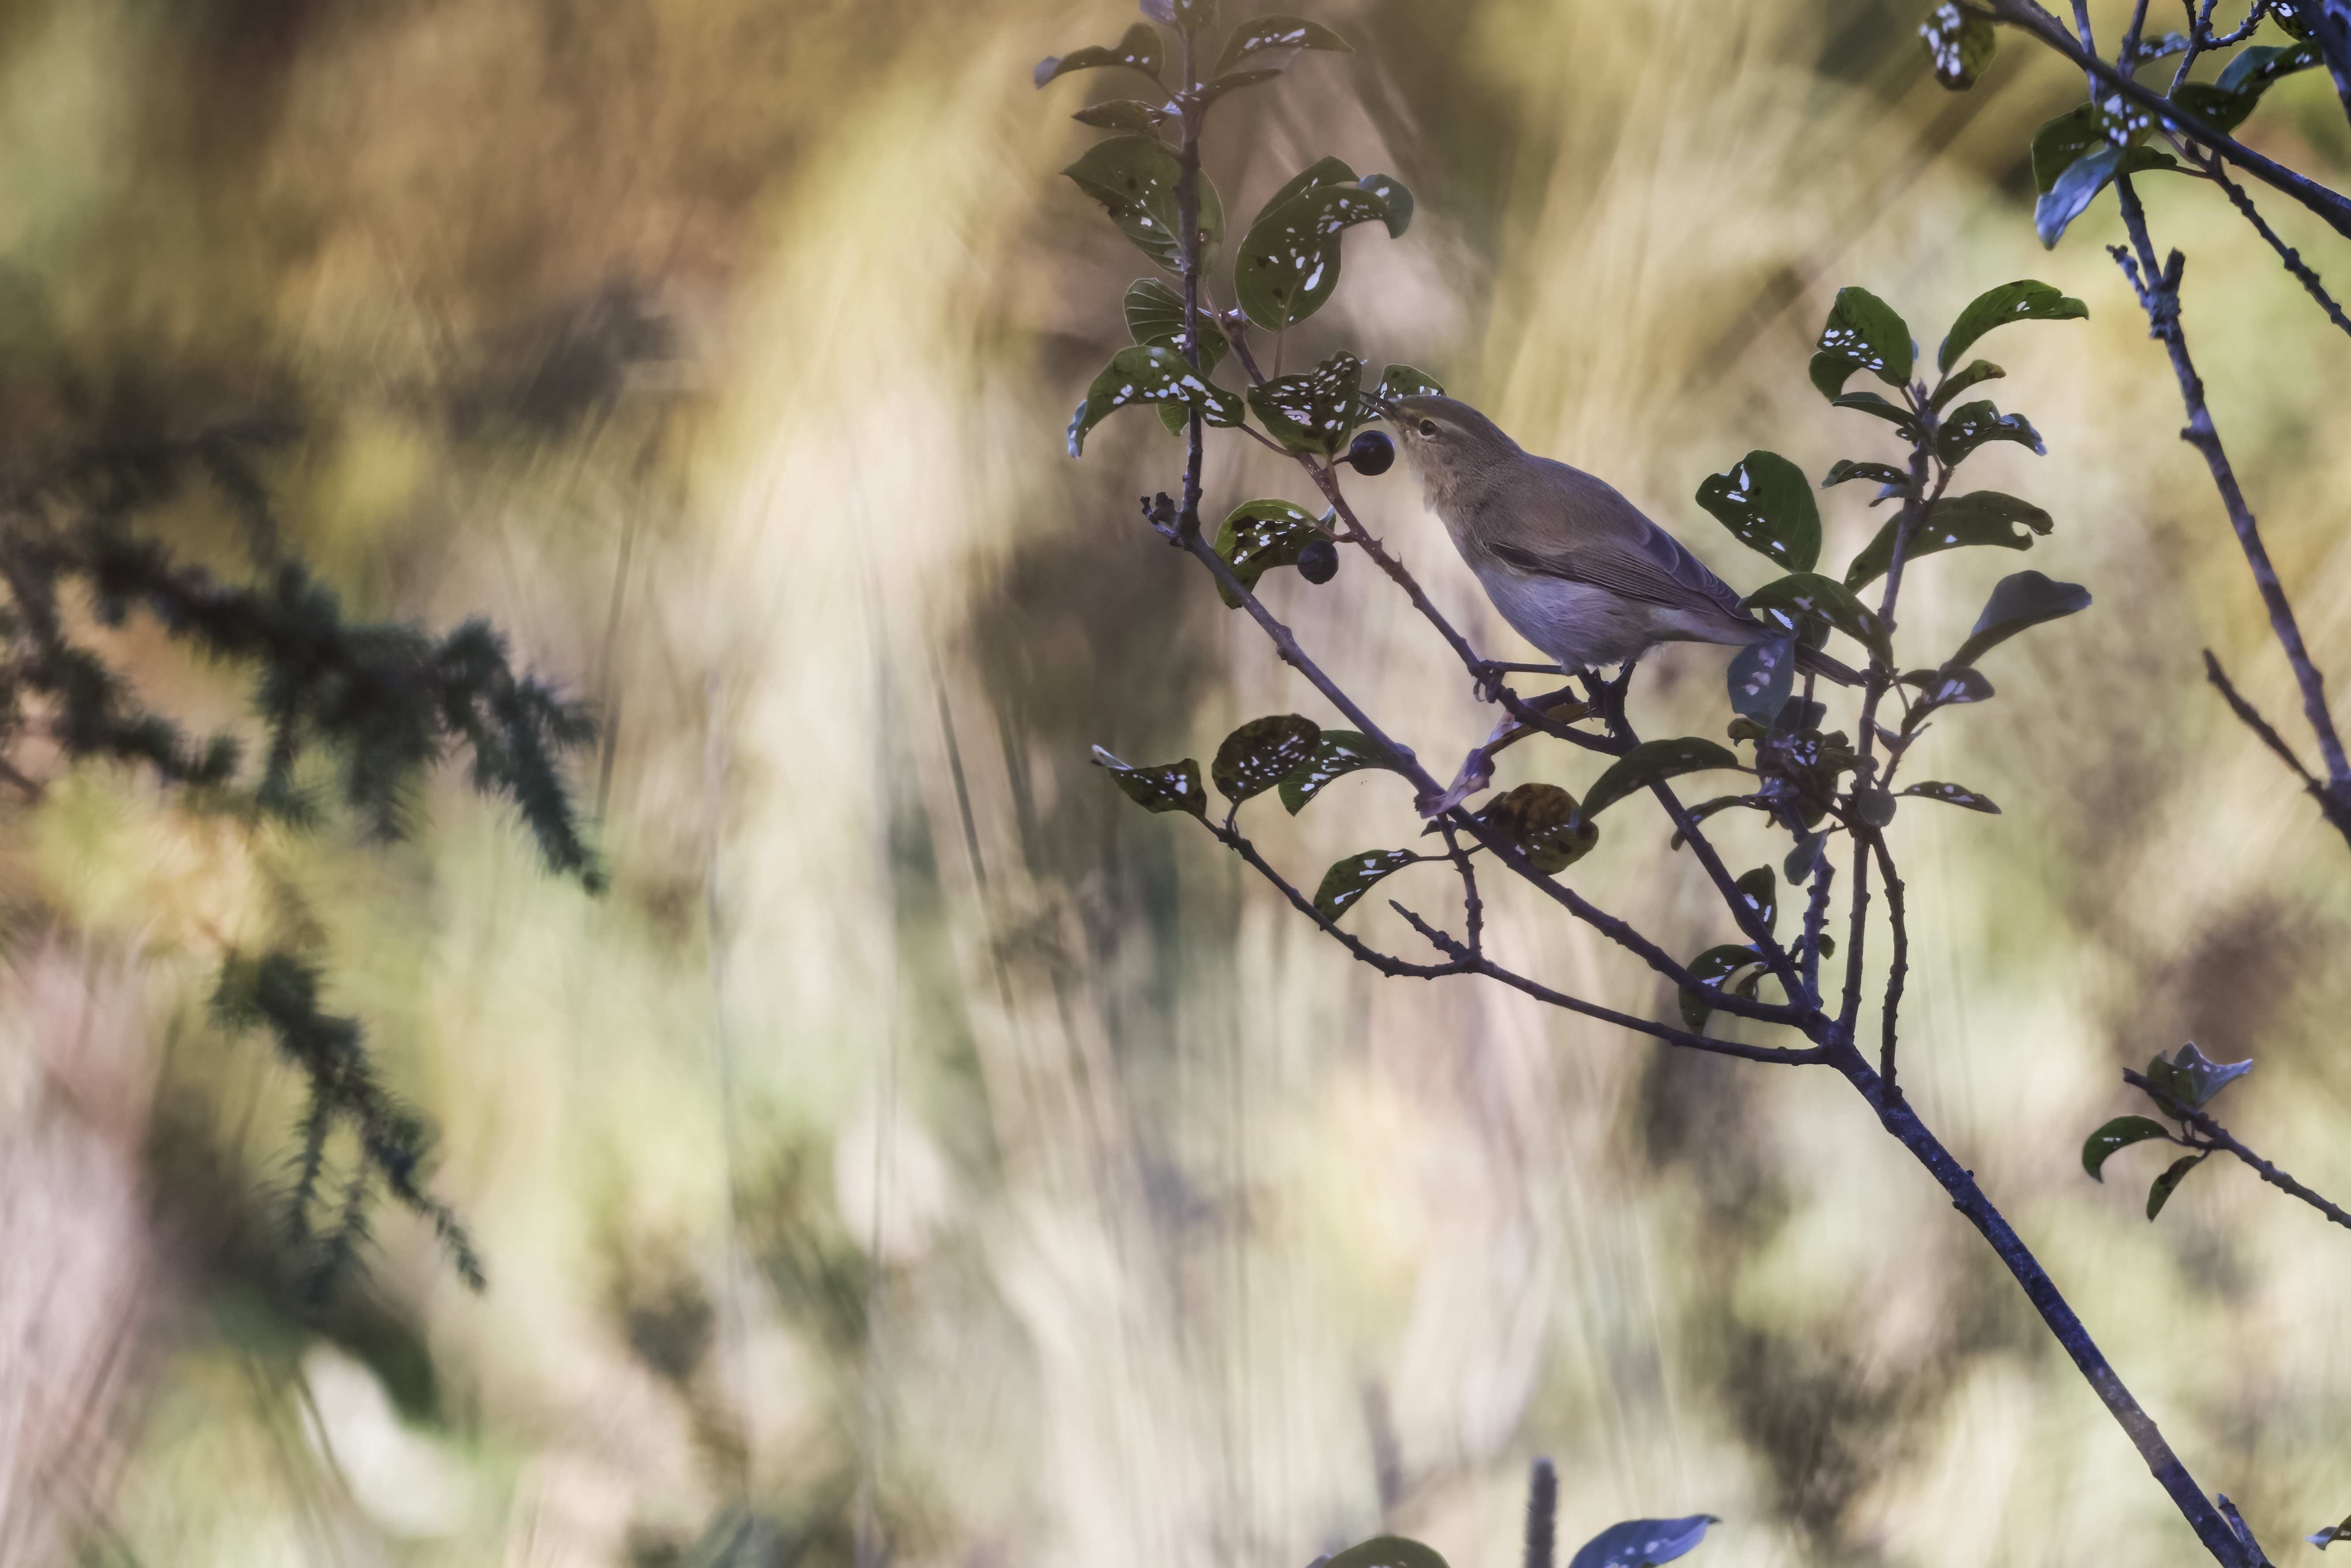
(1901, 974)
(1473, 906)
(1903, 1122)
(1816, 914)
(1444, 943)
(2328, 205)
(2217, 1136)
(1384, 963)
(2159, 293)
(2286, 253)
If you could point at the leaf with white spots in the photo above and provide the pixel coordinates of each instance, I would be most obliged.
(1258, 535)
(1145, 375)
(1979, 517)
(1959, 43)
(1262, 753)
(1169, 787)
(1952, 795)
(1138, 50)
(2026, 299)
(1348, 880)
(1134, 177)
(1716, 966)
(1864, 332)
(1278, 33)
(2192, 1078)
(1338, 753)
(1767, 504)
(1288, 265)
(1786, 603)
(1884, 473)
(1971, 424)
(1643, 1543)
(2119, 1134)
(1154, 319)
(1878, 407)
(1540, 821)
(1315, 412)
(1403, 380)
(1762, 677)
(1761, 889)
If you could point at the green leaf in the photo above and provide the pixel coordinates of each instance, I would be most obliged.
(1979, 517)
(2253, 69)
(2026, 299)
(1262, 753)
(1540, 821)
(1872, 806)
(1391, 191)
(1403, 380)
(1170, 786)
(1785, 602)
(2021, 600)
(1642, 1542)
(1761, 890)
(1864, 331)
(1884, 473)
(1286, 33)
(1959, 44)
(1258, 535)
(1349, 878)
(1803, 857)
(1716, 967)
(1829, 372)
(1971, 424)
(2059, 143)
(1953, 386)
(1123, 114)
(1139, 50)
(1767, 504)
(1315, 412)
(1134, 178)
(1762, 677)
(1154, 319)
(1871, 403)
(2080, 183)
(2192, 1078)
(1653, 762)
(1288, 265)
(2168, 1182)
(2119, 1134)
(1142, 375)
(1338, 753)
(2218, 106)
(1950, 687)
(1952, 794)
(1385, 1552)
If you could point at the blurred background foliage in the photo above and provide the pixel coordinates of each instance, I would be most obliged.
(919, 1155)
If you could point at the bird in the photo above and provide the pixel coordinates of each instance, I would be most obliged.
(1569, 562)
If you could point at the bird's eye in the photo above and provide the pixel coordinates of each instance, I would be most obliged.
(1429, 427)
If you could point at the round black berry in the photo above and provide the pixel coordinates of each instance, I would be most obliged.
(1318, 561)
(1371, 454)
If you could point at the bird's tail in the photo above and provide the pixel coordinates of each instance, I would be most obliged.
(1812, 661)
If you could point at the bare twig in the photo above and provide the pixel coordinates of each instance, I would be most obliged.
(2159, 293)
(2290, 257)
(1901, 972)
(1447, 945)
(2219, 1137)
(1969, 1198)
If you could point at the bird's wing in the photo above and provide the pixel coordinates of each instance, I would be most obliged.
(1617, 549)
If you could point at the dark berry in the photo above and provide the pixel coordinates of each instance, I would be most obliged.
(1373, 453)
(1318, 561)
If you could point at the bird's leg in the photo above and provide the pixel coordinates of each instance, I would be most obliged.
(1608, 697)
(1489, 673)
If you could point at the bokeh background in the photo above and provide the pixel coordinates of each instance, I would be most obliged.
(921, 1155)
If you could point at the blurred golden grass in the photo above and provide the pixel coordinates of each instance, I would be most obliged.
(921, 1153)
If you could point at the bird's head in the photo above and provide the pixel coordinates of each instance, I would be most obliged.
(1455, 451)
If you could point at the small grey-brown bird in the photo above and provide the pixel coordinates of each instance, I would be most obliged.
(1569, 562)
